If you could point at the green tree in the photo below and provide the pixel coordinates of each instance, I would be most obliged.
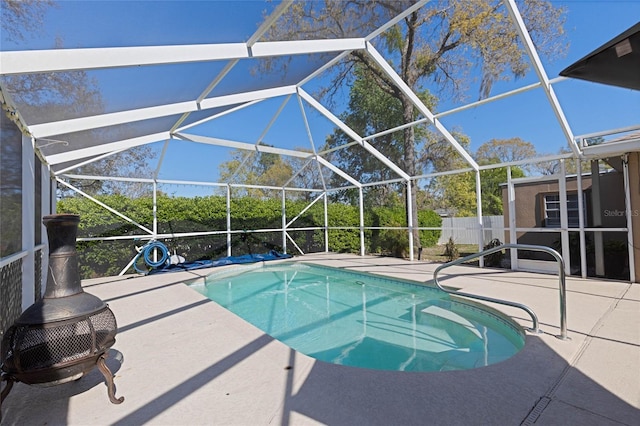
(491, 181)
(442, 41)
(255, 168)
(457, 192)
(371, 110)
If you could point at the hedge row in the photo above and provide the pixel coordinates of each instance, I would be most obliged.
(180, 215)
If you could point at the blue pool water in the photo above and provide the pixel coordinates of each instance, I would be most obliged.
(363, 320)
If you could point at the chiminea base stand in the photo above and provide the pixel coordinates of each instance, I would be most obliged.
(102, 367)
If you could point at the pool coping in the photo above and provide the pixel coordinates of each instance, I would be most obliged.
(182, 359)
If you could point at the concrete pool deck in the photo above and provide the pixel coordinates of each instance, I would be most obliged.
(180, 359)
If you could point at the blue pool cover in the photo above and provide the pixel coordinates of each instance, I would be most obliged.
(229, 260)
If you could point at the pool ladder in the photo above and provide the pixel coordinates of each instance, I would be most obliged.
(561, 284)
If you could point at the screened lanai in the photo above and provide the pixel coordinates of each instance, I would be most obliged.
(182, 100)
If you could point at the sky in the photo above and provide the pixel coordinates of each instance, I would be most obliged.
(588, 107)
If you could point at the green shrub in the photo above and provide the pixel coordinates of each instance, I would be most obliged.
(429, 219)
(180, 214)
(393, 242)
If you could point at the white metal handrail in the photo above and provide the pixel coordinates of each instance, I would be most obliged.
(561, 283)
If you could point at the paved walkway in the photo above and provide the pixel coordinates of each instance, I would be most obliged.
(181, 359)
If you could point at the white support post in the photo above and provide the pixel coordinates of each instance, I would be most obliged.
(513, 238)
(155, 219)
(28, 222)
(581, 220)
(479, 213)
(326, 223)
(410, 219)
(564, 218)
(284, 221)
(155, 209)
(228, 220)
(361, 209)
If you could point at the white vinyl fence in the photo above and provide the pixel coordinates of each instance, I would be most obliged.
(464, 230)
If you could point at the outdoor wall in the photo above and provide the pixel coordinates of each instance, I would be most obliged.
(529, 210)
(530, 201)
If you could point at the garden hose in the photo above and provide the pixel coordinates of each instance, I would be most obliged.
(147, 255)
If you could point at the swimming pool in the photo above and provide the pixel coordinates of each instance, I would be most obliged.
(364, 320)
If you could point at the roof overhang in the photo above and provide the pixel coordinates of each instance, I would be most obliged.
(616, 63)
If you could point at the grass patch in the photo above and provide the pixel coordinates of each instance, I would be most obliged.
(436, 253)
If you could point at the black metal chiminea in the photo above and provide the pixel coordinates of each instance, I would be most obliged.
(65, 334)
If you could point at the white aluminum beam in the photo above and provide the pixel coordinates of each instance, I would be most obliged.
(51, 60)
(103, 120)
(464, 107)
(353, 135)
(163, 153)
(239, 98)
(296, 174)
(339, 172)
(55, 60)
(542, 74)
(328, 114)
(273, 119)
(189, 182)
(306, 125)
(247, 156)
(611, 149)
(110, 178)
(84, 163)
(373, 53)
(107, 147)
(45, 130)
(323, 68)
(609, 132)
(304, 47)
(286, 225)
(269, 21)
(103, 205)
(396, 19)
(242, 145)
(179, 128)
